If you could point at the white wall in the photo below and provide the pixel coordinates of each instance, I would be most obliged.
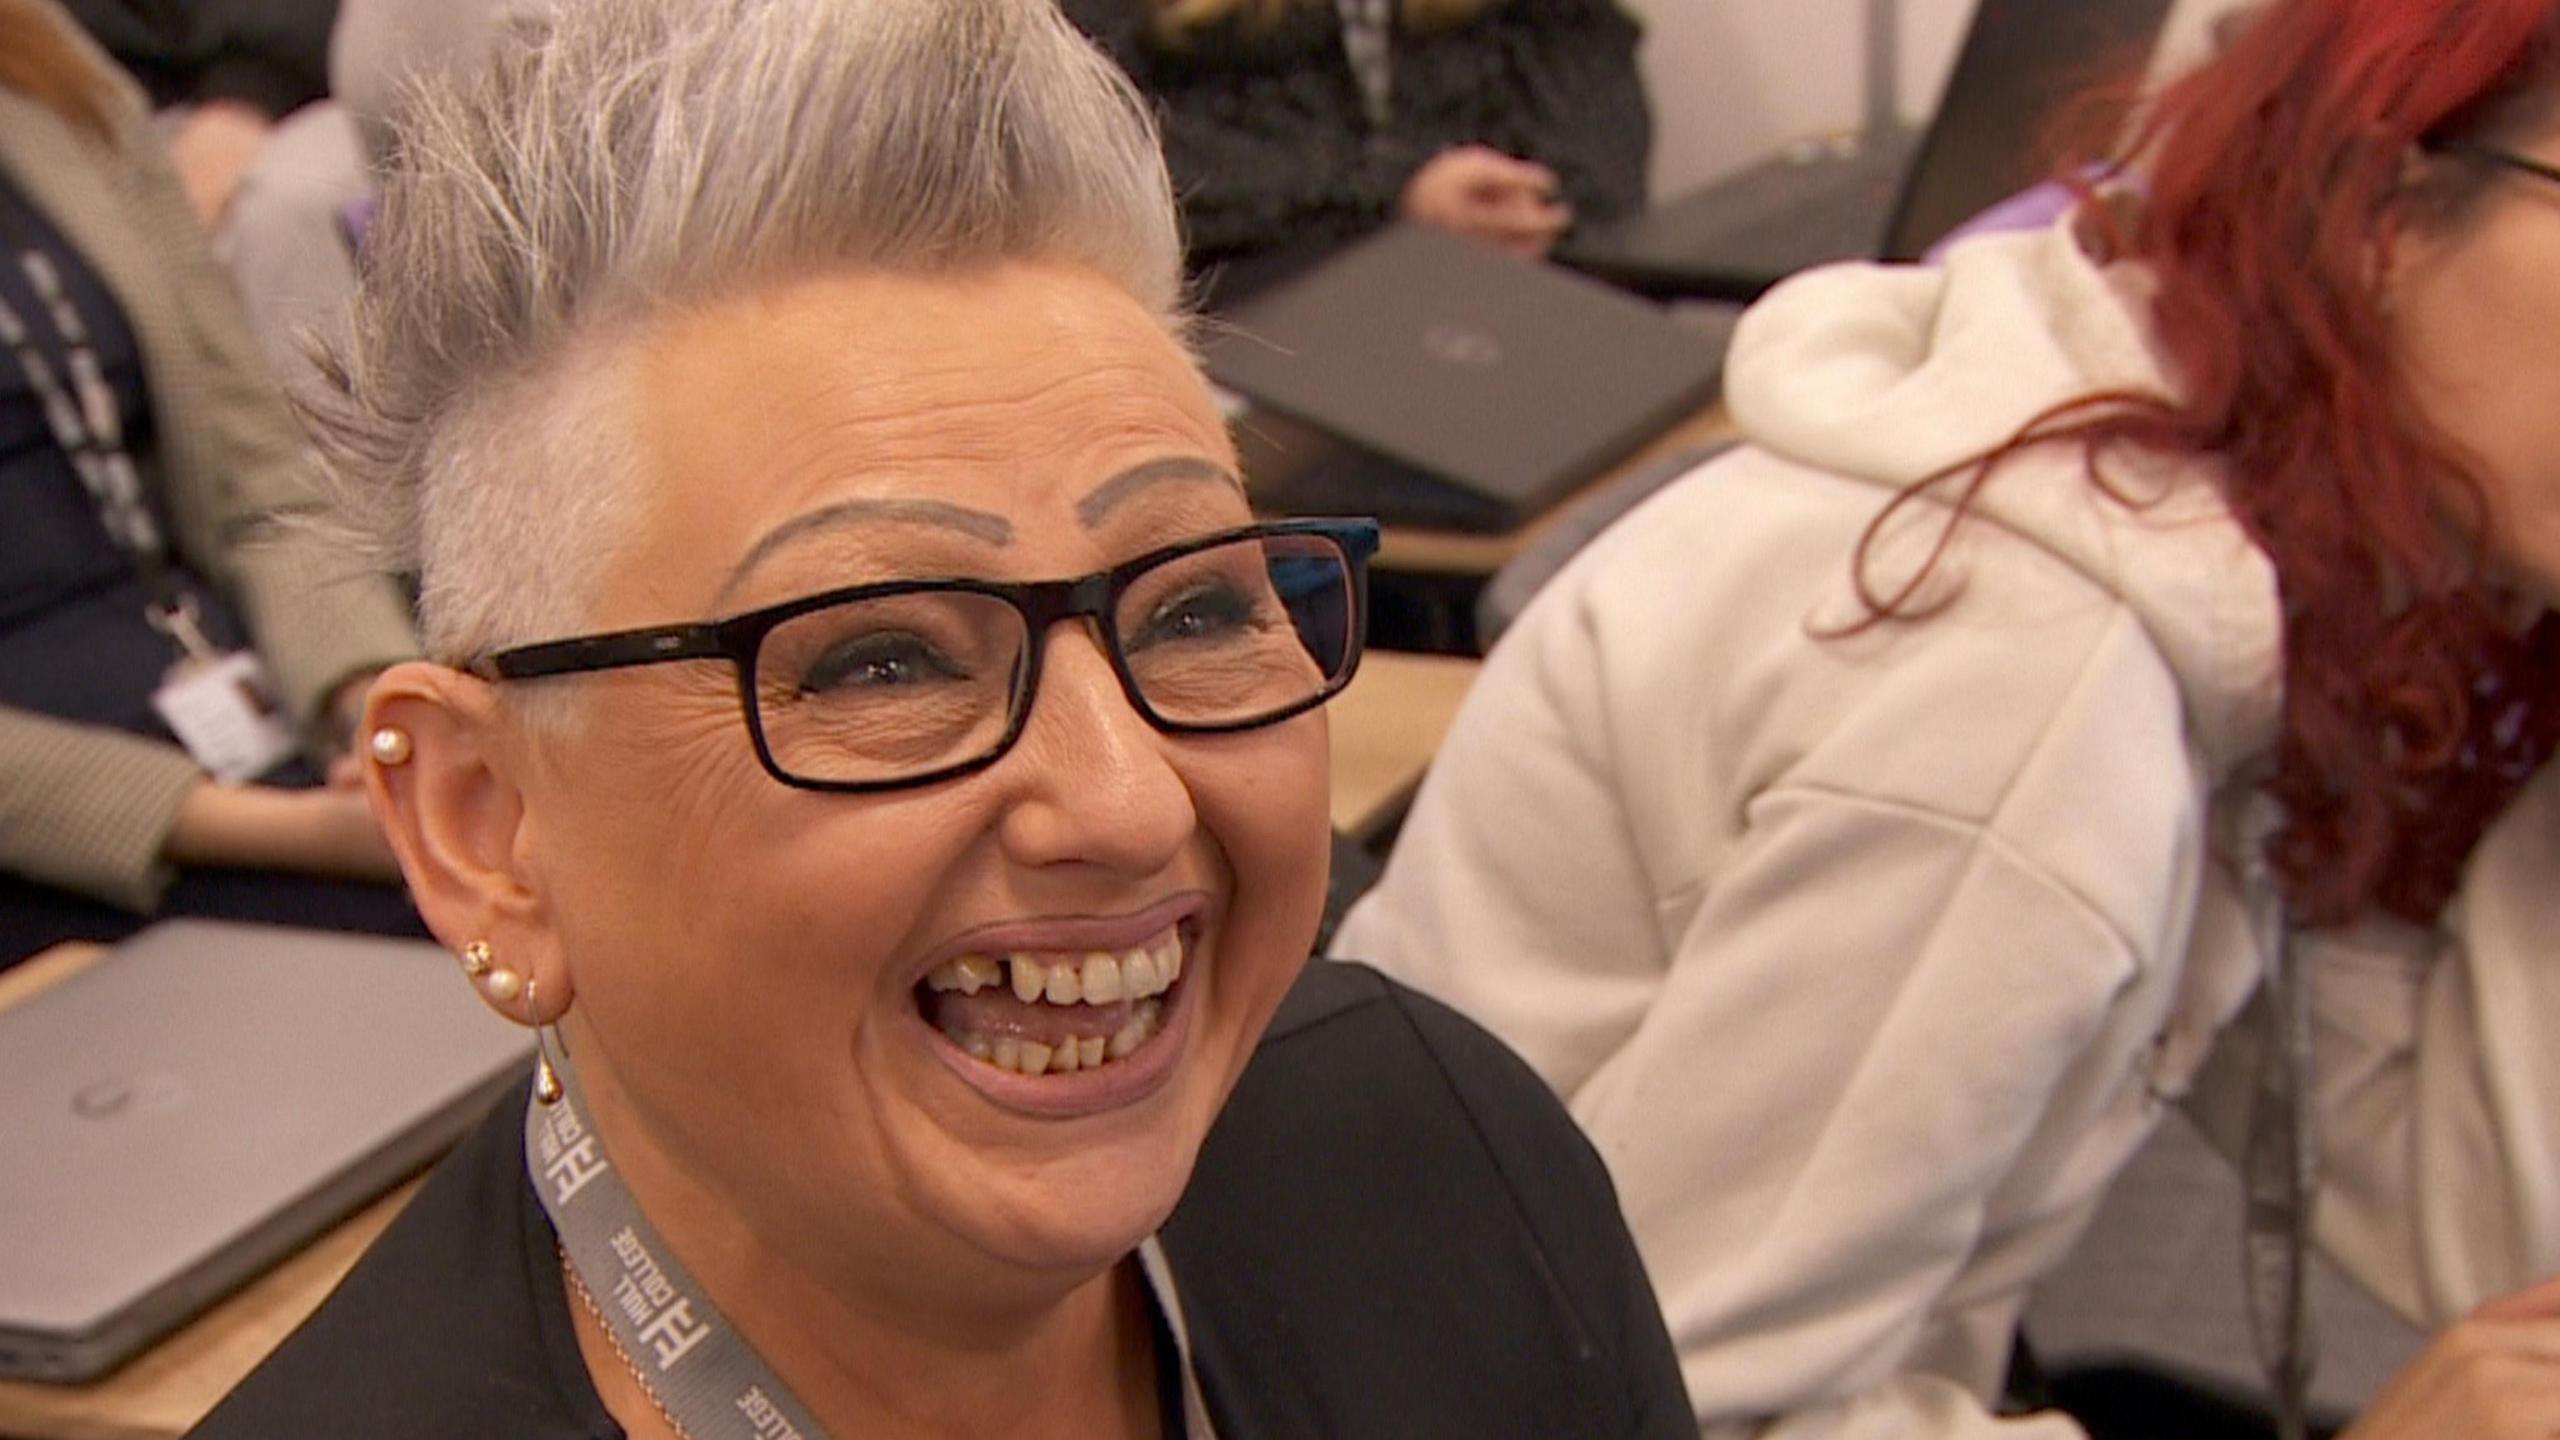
(1731, 78)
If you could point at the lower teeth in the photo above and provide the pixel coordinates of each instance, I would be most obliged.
(1030, 1057)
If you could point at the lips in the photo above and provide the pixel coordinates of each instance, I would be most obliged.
(1067, 1015)
(1055, 1012)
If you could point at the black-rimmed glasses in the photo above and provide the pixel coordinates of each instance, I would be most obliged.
(2503, 159)
(877, 687)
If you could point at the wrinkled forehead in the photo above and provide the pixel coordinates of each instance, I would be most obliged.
(1022, 419)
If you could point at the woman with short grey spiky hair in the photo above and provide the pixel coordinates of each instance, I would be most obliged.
(873, 746)
(669, 155)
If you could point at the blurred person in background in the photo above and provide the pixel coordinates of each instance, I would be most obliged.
(2118, 671)
(223, 72)
(178, 661)
(1296, 126)
(295, 230)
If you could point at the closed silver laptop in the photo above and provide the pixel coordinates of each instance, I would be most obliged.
(204, 1100)
(1457, 387)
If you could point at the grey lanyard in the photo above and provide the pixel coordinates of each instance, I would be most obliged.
(2280, 1164)
(696, 1367)
(1366, 25)
(88, 424)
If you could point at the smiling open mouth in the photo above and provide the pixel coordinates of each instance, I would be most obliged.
(1036, 1012)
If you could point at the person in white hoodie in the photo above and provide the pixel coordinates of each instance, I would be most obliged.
(2116, 673)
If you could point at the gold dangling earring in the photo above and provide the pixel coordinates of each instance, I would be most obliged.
(546, 1080)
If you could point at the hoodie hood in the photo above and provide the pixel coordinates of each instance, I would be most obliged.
(1886, 374)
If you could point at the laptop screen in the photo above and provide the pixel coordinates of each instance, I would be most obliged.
(2023, 63)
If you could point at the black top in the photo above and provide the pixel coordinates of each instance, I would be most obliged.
(66, 591)
(1271, 147)
(1394, 1230)
(272, 54)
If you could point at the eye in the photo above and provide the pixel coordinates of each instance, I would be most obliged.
(883, 659)
(1204, 611)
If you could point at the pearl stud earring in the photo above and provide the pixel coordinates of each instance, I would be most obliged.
(390, 745)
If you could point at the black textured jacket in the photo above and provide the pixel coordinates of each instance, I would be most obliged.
(1394, 1231)
(273, 54)
(1273, 153)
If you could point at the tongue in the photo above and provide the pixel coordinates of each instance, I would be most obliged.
(998, 1013)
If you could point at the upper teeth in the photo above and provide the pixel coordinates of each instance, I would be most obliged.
(1098, 977)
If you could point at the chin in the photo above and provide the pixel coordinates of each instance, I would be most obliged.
(1086, 1212)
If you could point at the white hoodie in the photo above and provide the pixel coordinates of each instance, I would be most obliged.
(1867, 962)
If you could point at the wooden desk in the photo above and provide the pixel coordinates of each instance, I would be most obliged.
(1384, 729)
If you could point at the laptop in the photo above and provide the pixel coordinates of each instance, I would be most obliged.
(1435, 381)
(203, 1101)
(1888, 192)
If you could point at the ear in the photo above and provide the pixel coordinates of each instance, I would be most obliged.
(2416, 167)
(454, 810)
(2402, 226)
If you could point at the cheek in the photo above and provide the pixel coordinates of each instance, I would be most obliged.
(2526, 517)
(2462, 342)
(642, 817)
(2468, 320)
(701, 900)
(1266, 794)
(2522, 445)
(1262, 797)
(735, 938)
(2515, 433)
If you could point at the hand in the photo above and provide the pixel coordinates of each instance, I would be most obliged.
(2494, 1374)
(346, 771)
(262, 827)
(346, 718)
(211, 150)
(1482, 192)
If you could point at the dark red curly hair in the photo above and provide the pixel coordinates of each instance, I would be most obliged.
(2276, 180)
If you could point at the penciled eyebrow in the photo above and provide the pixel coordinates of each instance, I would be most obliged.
(980, 525)
(1096, 506)
(976, 524)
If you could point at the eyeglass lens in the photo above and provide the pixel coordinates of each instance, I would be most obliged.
(887, 687)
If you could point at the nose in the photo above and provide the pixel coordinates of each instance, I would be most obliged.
(1090, 779)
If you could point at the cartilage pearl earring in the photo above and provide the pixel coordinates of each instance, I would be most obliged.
(390, 746)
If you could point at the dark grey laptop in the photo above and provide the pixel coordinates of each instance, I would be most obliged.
(201, 1102)
(1887, 192)
(1474, 389)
